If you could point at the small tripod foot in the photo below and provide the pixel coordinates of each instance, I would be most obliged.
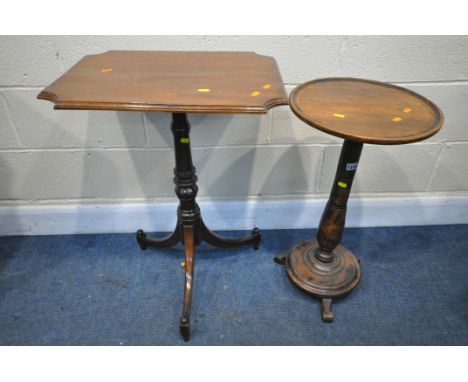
(257, 237)
(145, 242)
(280, 259)
(141, 239)
(184, 328)
(327, 313)
(224, 242)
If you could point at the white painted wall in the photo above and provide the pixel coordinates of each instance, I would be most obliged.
(74, 157)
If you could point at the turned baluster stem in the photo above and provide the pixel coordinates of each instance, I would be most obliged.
(185, 178)
(334, 216)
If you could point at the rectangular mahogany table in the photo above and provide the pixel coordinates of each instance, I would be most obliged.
(179, 83)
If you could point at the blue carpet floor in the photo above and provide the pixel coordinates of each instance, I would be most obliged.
(103, 290)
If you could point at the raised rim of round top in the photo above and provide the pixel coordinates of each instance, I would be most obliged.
(366, 111)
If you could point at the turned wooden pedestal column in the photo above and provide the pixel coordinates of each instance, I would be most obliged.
(322, 267)
(190, 229)
(359, 111)
(177, 83)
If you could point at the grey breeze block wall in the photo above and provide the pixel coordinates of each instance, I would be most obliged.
(49, 156)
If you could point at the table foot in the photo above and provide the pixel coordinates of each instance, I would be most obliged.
(145, 242)
(327, 313)
(280, 259)
(223, 242)
(184, 328)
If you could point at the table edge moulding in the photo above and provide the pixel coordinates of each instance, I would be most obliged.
(261, 95)
(362, 136)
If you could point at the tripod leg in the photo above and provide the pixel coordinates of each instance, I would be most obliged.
(224, 242)
(144, 241)
(189, 268)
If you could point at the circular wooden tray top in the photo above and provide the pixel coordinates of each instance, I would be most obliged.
(366, 111)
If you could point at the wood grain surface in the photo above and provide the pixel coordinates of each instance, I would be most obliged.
(366, 111)
(208, 82)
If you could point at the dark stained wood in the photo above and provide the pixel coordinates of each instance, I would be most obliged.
(190, 228)
(195, 82)
(176, 82)
(366, 111)
(189, 263)
(360, 111)
(333, 218)
(323, 267)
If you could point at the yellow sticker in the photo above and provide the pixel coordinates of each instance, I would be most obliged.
(204, 90)
(185, 140)
(255, 93)
(337, 115)
(342, 184)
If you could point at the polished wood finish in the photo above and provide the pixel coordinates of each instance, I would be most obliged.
(176, 82)
(323, 267)
(359, 111)
(190, 229)
(183, 82)
(366, 111)
(325, 281)
(189, 265)
(333, 218)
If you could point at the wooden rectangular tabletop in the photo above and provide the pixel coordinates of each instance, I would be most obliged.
(204, 82)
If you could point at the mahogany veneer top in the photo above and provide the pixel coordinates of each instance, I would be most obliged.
(208, 82)
(366, 111)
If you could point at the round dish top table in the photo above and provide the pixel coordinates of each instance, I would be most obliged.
(360, 111)
(366, 111)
